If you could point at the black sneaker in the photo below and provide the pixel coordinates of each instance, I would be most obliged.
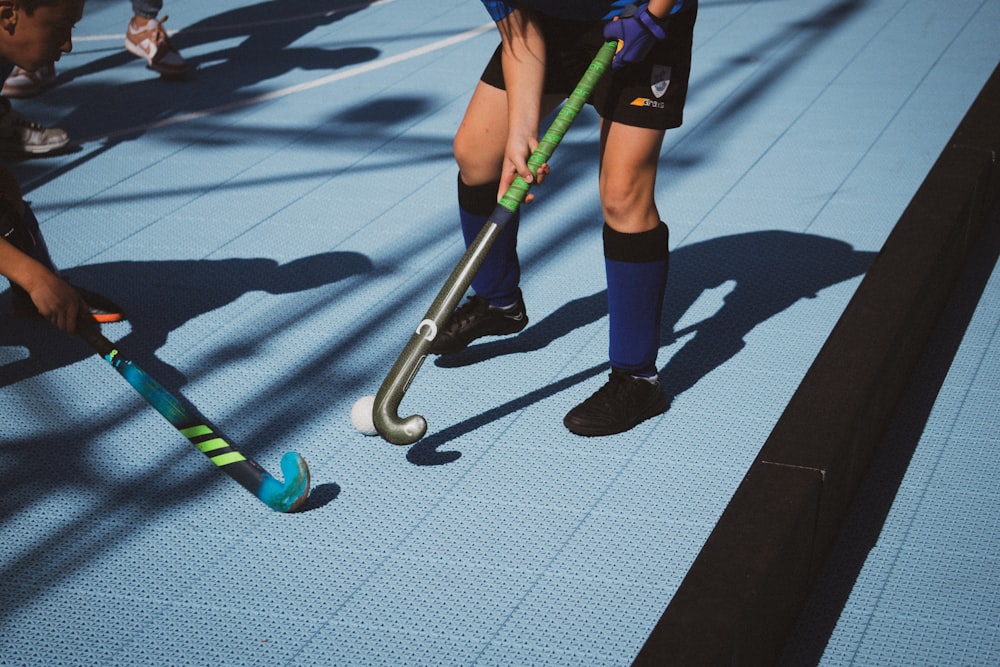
(102, 309)
(622, 403)
(477, 318)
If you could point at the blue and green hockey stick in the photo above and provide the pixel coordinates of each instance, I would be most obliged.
(385, 415)
(281, 497)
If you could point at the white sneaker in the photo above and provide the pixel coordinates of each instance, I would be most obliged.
(151, 43)
(20, 136)
(22, 83)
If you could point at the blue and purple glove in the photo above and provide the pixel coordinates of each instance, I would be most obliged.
(637, 33)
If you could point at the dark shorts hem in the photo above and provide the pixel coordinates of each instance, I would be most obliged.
(649, 94)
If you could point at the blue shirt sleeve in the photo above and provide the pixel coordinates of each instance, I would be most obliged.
(590, 10)
(498, 9)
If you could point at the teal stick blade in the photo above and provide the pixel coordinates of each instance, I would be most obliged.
(289, 495)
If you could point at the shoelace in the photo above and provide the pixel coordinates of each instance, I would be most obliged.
(612, 392)
(159, 32)
(21, 121)
(470, 309)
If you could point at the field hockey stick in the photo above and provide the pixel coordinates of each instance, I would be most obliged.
(385, 415)
(281, 497)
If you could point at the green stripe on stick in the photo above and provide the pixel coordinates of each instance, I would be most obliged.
(227, 458)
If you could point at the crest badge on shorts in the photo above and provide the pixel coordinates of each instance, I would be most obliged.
(660, 79)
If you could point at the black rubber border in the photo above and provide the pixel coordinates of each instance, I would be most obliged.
(741, 597)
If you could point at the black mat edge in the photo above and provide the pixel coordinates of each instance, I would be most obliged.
(741, 597)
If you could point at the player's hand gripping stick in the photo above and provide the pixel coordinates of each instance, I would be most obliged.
(406, 431)
(280, 496)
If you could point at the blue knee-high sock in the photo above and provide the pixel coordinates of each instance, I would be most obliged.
(636, 266)
(500, 274)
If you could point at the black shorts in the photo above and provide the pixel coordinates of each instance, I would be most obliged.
(649, 94)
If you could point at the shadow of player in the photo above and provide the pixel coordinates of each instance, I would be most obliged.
(161, 296)
(766, 273)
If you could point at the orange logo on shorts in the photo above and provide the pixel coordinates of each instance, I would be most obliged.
(646, 102)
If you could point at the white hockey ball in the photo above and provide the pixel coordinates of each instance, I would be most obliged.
(362, 415)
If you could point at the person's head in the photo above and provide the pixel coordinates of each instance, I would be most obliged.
(34, 33)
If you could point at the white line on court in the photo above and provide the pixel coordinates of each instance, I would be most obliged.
(239, 26)
(298, 88)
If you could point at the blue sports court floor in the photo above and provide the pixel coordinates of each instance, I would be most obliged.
(278, 224)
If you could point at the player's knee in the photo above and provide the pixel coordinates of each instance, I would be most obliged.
(477, 163)
(463, 149)
(628, 209)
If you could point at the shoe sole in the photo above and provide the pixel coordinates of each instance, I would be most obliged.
(658, 408)
(36, 150)
(21, 93)
(139, 52)
(24, 92)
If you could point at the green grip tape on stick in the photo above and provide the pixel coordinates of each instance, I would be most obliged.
(385, 411)
(517, 191)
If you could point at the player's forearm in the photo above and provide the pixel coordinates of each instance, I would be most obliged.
(523, 68)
